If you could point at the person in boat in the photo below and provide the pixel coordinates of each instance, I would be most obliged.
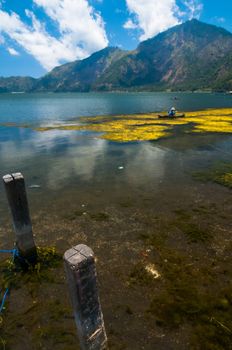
(172, 112)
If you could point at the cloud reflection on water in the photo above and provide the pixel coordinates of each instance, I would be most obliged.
(56, 156)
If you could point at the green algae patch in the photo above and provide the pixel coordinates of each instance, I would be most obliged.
(225, 179)
(192, 230)
(188, 293)
(13, 275)
(220, 173)
(99, 216)
(74, 215)
(36, 304)
(181, 303)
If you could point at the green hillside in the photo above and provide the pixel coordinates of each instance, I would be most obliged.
(190, 56)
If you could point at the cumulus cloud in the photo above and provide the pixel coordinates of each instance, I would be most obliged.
(152, 16)
(155, 16)
(81, 31)
(77, 22)
(12, 51)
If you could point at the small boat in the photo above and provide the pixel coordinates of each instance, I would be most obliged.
(171, 117)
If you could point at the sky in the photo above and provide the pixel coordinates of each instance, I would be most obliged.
(38, 35)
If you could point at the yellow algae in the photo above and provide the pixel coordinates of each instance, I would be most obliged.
(135, 135)
(126, 131)
(208, 112)
(221, 127)
(143, 127)
(149, 127)
(225, 179)
(203, 118)
(44, 128)
(174, 122)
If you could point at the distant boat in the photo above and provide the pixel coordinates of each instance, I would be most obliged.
(171, 117)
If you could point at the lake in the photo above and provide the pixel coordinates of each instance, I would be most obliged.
(134, 203)
(58, 160)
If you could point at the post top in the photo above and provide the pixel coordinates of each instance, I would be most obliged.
(78, 254)
(17, 176)
(7, 178)
(12, 177)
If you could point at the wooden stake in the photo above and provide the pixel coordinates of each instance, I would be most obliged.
(82, 281)
(17, 199)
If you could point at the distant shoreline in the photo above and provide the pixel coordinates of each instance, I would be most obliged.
(117, 92)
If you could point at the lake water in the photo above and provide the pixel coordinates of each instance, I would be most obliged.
(40, 108)
(84, 189)
(72, 162)
(81, 165)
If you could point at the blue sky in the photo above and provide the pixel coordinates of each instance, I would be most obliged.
(37, 35)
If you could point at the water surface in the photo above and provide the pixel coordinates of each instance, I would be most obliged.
(84, 189)
(79, 161)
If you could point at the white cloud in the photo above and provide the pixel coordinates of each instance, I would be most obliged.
(12, 51)
(130, 25)
(78, 23)
(155, 16)
(2, 40)
(194, 8)
(152, 16)
(81, 31)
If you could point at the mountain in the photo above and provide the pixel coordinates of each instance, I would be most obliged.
(17, 84)
(193, 55)
(190, 56)
(80, 75)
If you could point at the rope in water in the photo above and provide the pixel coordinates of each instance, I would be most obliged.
(4, 300)
(14, 253)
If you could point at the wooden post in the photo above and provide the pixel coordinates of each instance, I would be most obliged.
(82, 281)
(17, 198)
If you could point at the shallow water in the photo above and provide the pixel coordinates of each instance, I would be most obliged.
(61, 163)
(59, 160)
(82, 188)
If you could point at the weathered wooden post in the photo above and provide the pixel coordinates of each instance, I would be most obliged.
(17, 198)
(82, 281)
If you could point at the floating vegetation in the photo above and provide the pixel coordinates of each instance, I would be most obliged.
(145, 127)
(214, 126)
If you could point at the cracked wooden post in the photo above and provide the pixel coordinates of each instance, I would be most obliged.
(82, 281)
(17, 199)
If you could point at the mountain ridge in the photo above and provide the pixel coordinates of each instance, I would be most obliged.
(190, 56)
